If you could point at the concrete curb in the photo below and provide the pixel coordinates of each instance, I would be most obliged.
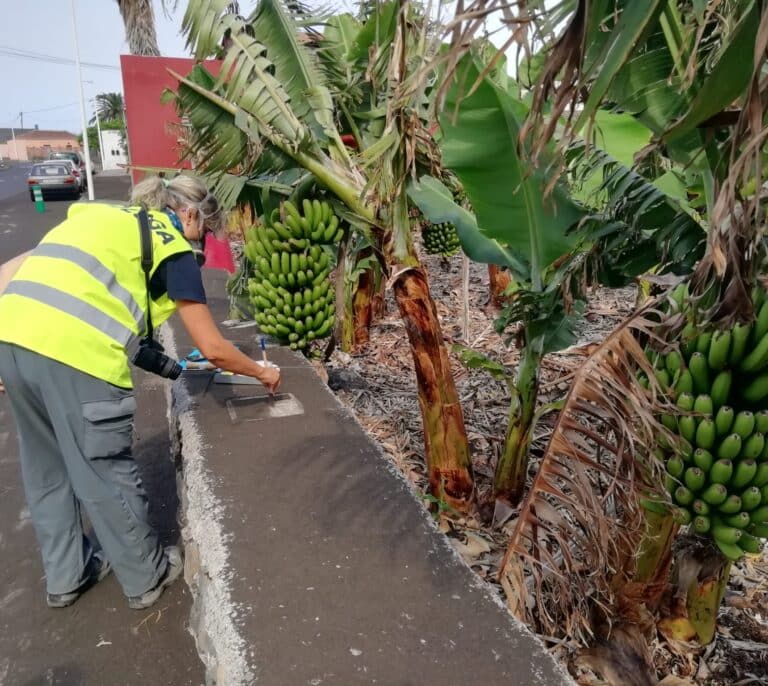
(220, 644)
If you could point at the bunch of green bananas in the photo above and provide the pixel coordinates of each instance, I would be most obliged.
(290, 288)
(718, 472)
(440, 239)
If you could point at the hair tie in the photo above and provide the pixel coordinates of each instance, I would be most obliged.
(165, 181)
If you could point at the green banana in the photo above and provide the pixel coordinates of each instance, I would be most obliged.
(705, 434)
(687, 427)
(275, 263)
(721, 472)
(738, 521)
(729, 447)
(761, 475)
(703, 405)
(688, 340)
(683, 495)
(701, 524)
(703, 459)
(700, 507)
(732, 505)
(760, 530)
(757, 389)
(282, 231)
(752, 447)
(751, 498)
(739, 339)
(761, 421)
(730, 550)
(714, 494)
(721, 388)
(719, 346)
(308, 213)
(682, 516)
(749, 543)
(694, 479)
(758, 358)
(703, 342)
(764, 494)
(684, 383)
(743, 473)
(726, 534)
(673, 361)
(760, 327)
(724, 420)
(700, 373)
(744, 424)
(685, 402)
(669, 421)
(760, 515)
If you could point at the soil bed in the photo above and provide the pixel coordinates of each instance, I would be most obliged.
(377, 383)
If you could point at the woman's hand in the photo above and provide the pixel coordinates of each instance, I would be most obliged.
(198, 321)
(270, 378)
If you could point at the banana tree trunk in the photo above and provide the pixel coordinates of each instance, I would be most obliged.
(362, 306)
(445, 438)
(700, 578)
(498, 280)
(512, 468)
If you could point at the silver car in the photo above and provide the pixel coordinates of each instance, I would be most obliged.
(75, 170)
(54, 179)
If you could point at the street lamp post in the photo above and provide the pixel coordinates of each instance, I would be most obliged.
(84, 123)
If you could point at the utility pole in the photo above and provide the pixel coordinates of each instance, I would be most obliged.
(21, 116)
(84, 123)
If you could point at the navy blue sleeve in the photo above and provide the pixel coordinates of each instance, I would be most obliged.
(180, 277)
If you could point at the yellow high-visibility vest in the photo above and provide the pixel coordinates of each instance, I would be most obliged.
(80, 297)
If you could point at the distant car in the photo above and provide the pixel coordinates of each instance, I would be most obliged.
(76, 157)
(53, 179)
(75, 170)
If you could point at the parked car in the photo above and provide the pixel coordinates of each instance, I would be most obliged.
(76, 157)
(53, 179)
(75, 170)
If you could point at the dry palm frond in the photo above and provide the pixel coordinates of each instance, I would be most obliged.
(581, 522)
(737, 223)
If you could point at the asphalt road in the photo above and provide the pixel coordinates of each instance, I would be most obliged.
(13, 180)
(22, 226)
(98, 641)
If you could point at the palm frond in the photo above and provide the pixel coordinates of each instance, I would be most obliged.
(581, 522)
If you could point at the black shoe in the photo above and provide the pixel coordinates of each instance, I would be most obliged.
(98, 568)
(172, 572)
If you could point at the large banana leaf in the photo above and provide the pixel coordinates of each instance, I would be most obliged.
(202, 25)
(480, 145)
(295, 66)
(436, 203)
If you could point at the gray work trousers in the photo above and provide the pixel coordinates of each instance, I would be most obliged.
(75, 433)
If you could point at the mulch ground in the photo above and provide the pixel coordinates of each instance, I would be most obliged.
(378, 385)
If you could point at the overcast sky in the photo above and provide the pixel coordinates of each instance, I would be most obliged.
(45, 27)
(47, 92)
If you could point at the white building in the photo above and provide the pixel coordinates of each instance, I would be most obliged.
(114, 156)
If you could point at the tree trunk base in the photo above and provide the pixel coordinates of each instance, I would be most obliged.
(498, 279)
(700, 578)
(446, 447)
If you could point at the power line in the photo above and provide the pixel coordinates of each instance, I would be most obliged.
(7, 51)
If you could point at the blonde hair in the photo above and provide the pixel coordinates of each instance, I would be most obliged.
(184, 190)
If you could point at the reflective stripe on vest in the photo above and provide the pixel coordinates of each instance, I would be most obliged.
(98, 271)
(73, 306)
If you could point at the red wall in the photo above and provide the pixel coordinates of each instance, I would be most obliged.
(151, 140)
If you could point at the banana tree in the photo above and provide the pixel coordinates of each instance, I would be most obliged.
(270, 106)
(693, 74)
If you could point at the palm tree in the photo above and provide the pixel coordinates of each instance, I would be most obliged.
(109, 106)
(139, 22)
